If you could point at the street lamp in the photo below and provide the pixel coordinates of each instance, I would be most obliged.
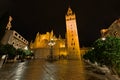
(103, 38)
(51, 44)
(26, 48)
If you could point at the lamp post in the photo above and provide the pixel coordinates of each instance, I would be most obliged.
(51, 44)
(103, 38)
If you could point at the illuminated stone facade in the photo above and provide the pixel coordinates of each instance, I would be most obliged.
(41, 40)
(113, 30)
(41, 47)
(13, 38)
(68, 47)
(73, 48)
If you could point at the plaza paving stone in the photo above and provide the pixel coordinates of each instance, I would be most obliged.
(40, 69)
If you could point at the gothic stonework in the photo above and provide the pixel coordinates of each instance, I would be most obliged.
(41, 40)
(40, 45)
(67, 47)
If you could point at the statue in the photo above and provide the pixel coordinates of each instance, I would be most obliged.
(9, 23)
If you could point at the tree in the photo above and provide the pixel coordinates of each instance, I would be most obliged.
(21, 54)
(106, 52)
(8, 50)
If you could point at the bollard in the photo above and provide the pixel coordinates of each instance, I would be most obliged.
(2, 60)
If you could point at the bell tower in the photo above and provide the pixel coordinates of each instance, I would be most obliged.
(73, 49)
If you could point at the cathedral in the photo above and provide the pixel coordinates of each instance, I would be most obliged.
(67, 47)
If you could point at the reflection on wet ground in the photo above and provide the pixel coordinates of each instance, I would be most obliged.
(43, 70)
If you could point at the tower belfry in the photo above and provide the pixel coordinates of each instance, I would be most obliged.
(73, 49)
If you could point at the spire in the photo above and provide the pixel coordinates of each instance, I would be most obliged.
(60, 37)
(51, 34)
(37, 37)
(37, 34)
(69, 12)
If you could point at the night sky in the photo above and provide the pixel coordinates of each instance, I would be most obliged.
(32, 16)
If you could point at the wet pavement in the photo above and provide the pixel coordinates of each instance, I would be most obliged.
(40, 69)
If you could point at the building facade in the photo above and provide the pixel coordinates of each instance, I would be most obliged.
(67, 47)
(13, 38)
(113, 30)
(41, 46)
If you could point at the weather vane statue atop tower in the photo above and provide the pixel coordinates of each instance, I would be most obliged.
(9, 23)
